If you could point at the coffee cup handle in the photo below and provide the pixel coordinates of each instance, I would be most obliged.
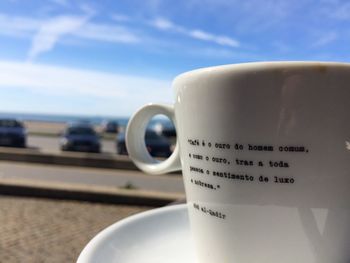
(135, 141)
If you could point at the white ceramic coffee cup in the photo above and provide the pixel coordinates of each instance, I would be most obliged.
(265, 153)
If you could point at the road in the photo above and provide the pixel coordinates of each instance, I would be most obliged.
(92, 176)
(51, 144)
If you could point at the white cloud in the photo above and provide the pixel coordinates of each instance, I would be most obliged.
(119, 90)
(246, 16)
(167, 25)
(199, 34)
(68, 81)
(224, 53)
(339, 11)
(325, 39)
(221, 40)
(50, 32)
(46, 33)
(18, 26)
(117, 34)
(163, 24)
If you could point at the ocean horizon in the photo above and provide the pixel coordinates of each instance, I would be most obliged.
(62, 118)
(94, 120)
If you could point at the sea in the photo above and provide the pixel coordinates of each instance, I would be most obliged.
(94, 120)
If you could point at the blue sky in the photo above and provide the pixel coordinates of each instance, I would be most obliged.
(111, 57)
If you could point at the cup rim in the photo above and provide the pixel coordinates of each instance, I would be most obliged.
(254, 66)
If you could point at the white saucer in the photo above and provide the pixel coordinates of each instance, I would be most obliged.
(157, 236)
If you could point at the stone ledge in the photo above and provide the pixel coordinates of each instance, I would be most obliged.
(68, 159)
(100, 194)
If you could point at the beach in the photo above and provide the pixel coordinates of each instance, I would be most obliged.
(44, 127)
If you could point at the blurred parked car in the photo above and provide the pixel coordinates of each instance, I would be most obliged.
(12, 133)
(157, 145)
(110, 127)
(80, 137)
(165, 128)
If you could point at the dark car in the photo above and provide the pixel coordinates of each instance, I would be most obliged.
(80, 137)
(110, 127)
(157, 145)
(12, 133)
(165, 128)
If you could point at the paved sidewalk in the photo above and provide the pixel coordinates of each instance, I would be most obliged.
(43, 230)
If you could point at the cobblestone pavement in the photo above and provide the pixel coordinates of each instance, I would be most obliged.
(43, 230)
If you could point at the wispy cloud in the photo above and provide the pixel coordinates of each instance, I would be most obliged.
(325, 39)
(248, 16)
(109, 33)
(224, 53)
(221, 40)
(339, 11)
(164, 24)
(18, 26)
(50, 32)
(70, 83)
(167, 25)
(46, 33)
